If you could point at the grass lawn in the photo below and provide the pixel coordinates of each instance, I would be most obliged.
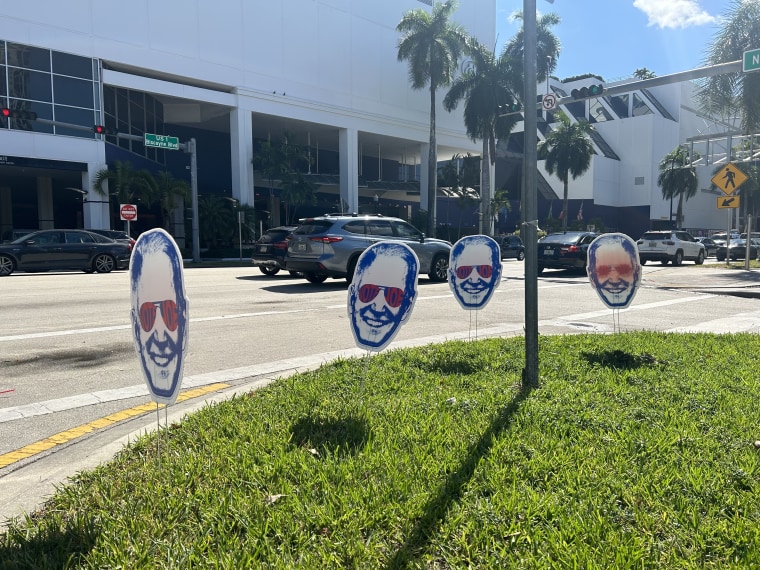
(635, 452)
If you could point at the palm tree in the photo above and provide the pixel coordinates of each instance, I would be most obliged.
(216, 220)
(644, 73)
(296, 190)
(431, 44)
(677, 179)
(168, 191)
(567, 150)
(731, 93)
(548, 45)
(487, 87)
(127, 184)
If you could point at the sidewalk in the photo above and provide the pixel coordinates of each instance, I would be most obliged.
(715, 278)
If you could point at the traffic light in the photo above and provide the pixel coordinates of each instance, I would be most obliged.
(7, 113)
(514, 107)
(586, 92)
(102, 130)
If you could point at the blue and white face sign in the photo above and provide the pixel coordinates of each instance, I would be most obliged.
(159, 313)
(614, 269)
(382, 293)
(474, 270)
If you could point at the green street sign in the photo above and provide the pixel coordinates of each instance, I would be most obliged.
(751, 61)
(161, 141)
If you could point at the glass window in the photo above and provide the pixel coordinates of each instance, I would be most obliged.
(577, 109)
(619, 104)
(43, 110)
(74, 116)
(28, 57)
(78, 237)
(640, 108)
(406, 230)
(109, 100)
(122, 106)
(355, 227)
(75, 92)
(3, 89)
(380, 228)
(27, 84)
(2, 52)
(73, 65)
(136, 112)
(597, 113)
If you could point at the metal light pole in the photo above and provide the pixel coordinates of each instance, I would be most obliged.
(529, 201)
(191, 148)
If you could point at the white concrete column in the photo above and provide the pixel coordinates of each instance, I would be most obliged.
(6, 210)
(348, 144)
(45, 214)
(95, 206)
(241, 143)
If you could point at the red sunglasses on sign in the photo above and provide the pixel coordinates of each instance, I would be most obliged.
(168, 313)
(624, 270)
(393, 295)
(485, 271)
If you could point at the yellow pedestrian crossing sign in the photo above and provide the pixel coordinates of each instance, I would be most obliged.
(728, 202)
(729, 178)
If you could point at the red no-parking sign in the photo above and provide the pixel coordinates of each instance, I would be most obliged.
(128, 212)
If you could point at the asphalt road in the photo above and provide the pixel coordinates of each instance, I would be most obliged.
(71, 391)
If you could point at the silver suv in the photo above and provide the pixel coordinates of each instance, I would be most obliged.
(674, 246)
(330, 245)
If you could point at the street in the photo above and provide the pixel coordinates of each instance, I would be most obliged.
(68, 359)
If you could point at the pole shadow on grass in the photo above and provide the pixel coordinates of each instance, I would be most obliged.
(51, 547)
(435, 510)
(620, 359)
(336, 435)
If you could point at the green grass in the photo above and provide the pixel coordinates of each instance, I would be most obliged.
(635, 452)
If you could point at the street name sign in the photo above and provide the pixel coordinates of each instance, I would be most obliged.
(161, 141)
(729, 178)
(751, 60)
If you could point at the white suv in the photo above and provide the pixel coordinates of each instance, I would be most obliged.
(674, 246)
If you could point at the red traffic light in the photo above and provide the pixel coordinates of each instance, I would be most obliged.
(102, 130)
(18, 114)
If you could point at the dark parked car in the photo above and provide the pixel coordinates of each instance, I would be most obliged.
(564, 250)
(329, 246)
(270, 249)
(737, 249)
(512, 246)
(47, 250)
(711, 246)
(117, 235)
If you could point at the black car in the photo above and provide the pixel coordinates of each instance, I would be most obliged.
(710, 245)
(116, 235)
(270, 249)
(737, 249)
(47, 250)
(512, 246)
(564, 250)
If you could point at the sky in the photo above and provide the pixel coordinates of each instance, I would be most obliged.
(613, 38)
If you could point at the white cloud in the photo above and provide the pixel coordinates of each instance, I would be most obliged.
(674, 13)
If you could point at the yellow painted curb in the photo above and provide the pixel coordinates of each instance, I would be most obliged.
(76, 432)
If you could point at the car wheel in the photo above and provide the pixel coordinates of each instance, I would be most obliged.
(267, 270)
(315, 278)
(678, 259)
(103, 263)
(439, 268)
(350, 269)
(6, 265)
(700, 258)
(520, 255)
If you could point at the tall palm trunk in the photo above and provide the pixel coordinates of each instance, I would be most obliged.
(485, 190)
(564, 200)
